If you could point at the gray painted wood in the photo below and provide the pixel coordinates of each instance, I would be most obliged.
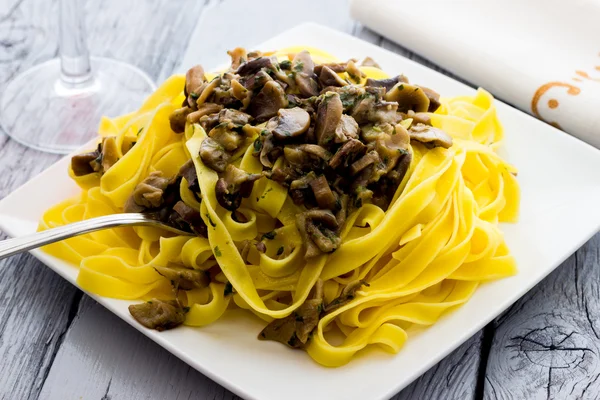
(56, 343)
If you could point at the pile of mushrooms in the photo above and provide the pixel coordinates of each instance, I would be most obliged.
(334, 139)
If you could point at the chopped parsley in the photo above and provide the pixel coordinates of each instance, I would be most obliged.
(210, 221)
(285, 64)
(269, 235)
(186, 309)
(299, 66)
(140, 131)
(401, 87)
(280, 251)
(264, 132)
(194, 96)
(267, 192)
(217, 252)
(257, 145)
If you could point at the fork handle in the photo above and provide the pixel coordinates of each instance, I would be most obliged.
(17, 245)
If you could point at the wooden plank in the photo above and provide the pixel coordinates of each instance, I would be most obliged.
(102, 357)
(36, 305)
(547, 345)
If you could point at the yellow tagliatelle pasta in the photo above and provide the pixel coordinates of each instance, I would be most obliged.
(424, 255)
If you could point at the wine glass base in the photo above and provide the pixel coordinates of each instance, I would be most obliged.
(39, 110)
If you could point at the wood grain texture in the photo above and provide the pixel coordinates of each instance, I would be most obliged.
(56, 345)
(547, 345)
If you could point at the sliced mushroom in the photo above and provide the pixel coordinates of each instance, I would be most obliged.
(148, 194)
(363, 108)
(234, 185)
(81, 164)
(345, 154)
(387, 83)
(430, 136)
(347, 295)
(347, 129)
(187, 217)
(267, 103)
(303, 66)
(256, 81)
(317, 229)
(291, 122)
(234, 116)
(408, 97)
(178, 118)
(434, 98)
(384, 112)
(194, 78)
(342, 212)
(316, 151)
(323, 194)
(266, 148)
(158, 314)
(329, 115)
(110, 152)
(213, 155)
(238, 56)
(295, 329)
(335, 67)
(354, 72)
(253, 66)
(204, 109)
(369, 62)
(370, 158)
(224, 134)
(328, 77)
(184, 278)
(207, 122)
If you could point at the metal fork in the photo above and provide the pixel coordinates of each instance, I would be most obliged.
(17, 245)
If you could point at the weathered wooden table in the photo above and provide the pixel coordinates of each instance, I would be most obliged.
(56, 343)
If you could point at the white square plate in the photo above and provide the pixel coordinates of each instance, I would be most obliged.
(559, 212)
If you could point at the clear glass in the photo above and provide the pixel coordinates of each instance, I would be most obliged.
(56, 106)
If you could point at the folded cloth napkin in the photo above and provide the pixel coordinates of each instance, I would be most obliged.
(542, 56)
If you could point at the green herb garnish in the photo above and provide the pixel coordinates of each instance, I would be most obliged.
(217, 252)
(269, 235)
(210, 221)
(280, 251)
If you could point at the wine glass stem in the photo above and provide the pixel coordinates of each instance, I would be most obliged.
(72, 46)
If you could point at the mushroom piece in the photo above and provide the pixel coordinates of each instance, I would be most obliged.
(387, 83)
(213, 155)
(240, 92)
(434, 98)
(295, 329)
(316, 151)
(346, 129)
(363, 108)
(234, 116)
(345, 154)
(234, 185)
(304, 69)
(204, 109)
(291, 122)
(370, 158)
(238, 56)
(430, 136)
(354, 73)
(318, 231)
(148, 193)
(255, 65)
(347, 295)
(384, 112)
(329, 115)
(178, 118)
(184, 278)
(323, 194)
(158, 314)
(256, 81)
(81, 164)
(369, 62)
(224, 134)
(110, 152)
(194, 78)
(187, 219)
(188, 171)
(267, 102)
(328, 77)
(408, 97)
